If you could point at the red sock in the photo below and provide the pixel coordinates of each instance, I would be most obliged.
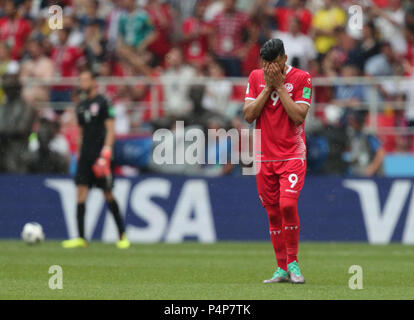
(276, 235)
(291, 228)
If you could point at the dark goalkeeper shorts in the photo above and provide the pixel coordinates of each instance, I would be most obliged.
(85, 176)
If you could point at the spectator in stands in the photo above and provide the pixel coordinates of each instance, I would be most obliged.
(16, 121)
(228, 37)
(112, 25)
(67, 62)
(26, 9)
(321, 94)
(300, 47)
(325, 23)
(406, 90)
(382, 63)
(38, 65)
(409, 55)
(149, 96)
(366, 153)
(162, 17)
(195, 36)
(122, 107)
(14, 29)
(370, 44)
(176, 82)
(94, 46)
(185, 8)
(90, 15)
(293, 9)
(409, 14)
(75, 37)
(332, 62)
(256, 39)
(263, 12)
(349, 48)
(349, 95)
(217, 92)
(136, 30)
(391, 23)
(6, 65)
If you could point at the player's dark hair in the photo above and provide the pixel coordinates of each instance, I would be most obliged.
(272, 49)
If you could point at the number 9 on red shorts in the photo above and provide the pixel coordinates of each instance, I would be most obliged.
(280, 179)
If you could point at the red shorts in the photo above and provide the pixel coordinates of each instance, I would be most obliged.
(276, 179)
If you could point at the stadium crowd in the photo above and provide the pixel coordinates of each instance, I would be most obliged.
(185, 40)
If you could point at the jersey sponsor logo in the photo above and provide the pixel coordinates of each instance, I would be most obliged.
(289, 87)
(306, 93)
(94, 108)
(309, 80)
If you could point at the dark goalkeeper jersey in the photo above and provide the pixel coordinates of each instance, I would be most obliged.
(91, 114)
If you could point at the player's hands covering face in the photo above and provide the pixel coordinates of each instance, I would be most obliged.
(267, 75)
(274, 77)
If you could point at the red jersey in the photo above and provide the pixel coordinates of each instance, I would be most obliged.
(228, 28)
(14, 33)
(163, 23)
(280, 137)
(66, 59)
(252, 59)
(196, 49)
(283, 16)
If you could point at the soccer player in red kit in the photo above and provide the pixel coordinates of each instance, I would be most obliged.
(278, 98)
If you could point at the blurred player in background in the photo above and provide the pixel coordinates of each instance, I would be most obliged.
(95, 167)
(278, 98)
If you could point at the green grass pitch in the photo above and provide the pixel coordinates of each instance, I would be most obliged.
(227, 270)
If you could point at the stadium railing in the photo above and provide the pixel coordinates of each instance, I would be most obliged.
(373, 103)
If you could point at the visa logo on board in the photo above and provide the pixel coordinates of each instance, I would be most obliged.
(191, 217)
(380, 222)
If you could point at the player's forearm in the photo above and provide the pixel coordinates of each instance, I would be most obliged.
(109, 139)
(252, 110)
(110, 133)
(295, 112)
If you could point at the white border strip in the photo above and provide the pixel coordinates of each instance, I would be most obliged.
(305, 102)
